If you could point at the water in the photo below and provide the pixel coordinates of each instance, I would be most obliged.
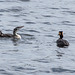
(36, 53)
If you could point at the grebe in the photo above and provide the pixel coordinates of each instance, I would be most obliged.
(61, 42)
(14, 35)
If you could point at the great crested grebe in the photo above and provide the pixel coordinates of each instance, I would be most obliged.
(14, 35)
(61, 42)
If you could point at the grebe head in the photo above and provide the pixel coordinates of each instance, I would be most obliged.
(61, 34)
(15, 35)
(16, 29)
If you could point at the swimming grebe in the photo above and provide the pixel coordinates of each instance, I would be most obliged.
(61, 42)
(14, 35)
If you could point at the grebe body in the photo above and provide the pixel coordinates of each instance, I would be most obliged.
(61, 42)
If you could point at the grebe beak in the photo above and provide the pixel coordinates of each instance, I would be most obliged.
(20, 26)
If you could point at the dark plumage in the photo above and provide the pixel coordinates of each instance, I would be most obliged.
(61, 42)
(5, 35)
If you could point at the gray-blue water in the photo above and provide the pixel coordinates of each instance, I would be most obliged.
(36, 53)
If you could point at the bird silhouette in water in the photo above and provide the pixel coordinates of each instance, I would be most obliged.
(14, 35)
(61, 42)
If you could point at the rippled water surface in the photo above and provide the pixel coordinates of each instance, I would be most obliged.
(36, 53)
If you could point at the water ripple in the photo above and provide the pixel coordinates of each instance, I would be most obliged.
(30, 22)
(49, 35)
(62, 70)
(2, 71)
(4, 10)
(24, 0)
(42, 60)
(68, 23)
(27, 35)
(48, 23)
(17, 68)
(33, 31)
(70, 12)
(55, 8)
(44, 71)
(47, 15)
(15, 9)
